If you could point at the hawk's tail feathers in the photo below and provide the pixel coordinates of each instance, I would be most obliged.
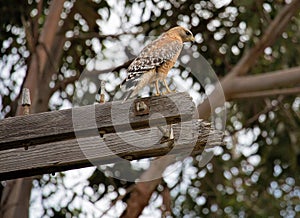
(129, 87)
(129, 84)
(127, 95)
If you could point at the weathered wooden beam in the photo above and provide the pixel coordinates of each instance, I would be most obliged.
(36, 129)
(189, 137)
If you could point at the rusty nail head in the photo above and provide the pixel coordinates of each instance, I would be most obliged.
(141, 107)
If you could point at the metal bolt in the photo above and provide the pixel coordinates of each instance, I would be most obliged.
(102, 90)
(26, 108)
(141, 106)
(26, 97)
(102, 132)
(128, 157)
(26, 101)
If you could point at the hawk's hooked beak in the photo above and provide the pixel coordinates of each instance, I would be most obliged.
(192, 39)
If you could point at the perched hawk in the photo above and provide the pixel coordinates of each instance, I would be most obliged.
(155, 61)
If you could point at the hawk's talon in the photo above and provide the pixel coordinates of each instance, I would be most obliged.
(157, 88)
(169, 91)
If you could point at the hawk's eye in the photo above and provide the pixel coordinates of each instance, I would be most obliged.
(188, 33)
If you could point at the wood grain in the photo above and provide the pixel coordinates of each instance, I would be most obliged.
(37, 129)
(189, 137)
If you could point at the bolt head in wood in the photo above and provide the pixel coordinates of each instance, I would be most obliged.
(141, 107)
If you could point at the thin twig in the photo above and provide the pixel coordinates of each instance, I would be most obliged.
(35, 21)
(28, 34)
(266, 93)
(63, 84)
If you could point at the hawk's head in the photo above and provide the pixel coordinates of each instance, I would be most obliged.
(184, 34)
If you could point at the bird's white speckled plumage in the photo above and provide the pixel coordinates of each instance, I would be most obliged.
(155, 60)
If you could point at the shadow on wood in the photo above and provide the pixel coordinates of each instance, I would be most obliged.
(53, 145)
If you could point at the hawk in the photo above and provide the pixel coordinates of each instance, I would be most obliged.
(155, 60)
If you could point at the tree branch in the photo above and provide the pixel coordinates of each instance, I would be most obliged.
(90, 35)
(28, 34)
(35, 21)
(49, 31)
(226, 86)
(142, 191)
(167, 200)
(62, 84)
(269, 107)
(266, 93)
(265, 81)
(264, 84)
(274, 30)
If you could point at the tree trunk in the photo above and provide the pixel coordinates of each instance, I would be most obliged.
(16, 193)
(249, 59)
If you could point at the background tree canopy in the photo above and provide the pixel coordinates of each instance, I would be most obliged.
(253, 46)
